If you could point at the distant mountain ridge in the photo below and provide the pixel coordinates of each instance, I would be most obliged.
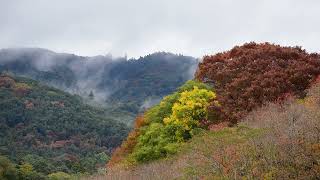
(123, 84)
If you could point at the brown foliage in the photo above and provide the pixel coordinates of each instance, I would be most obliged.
(61, 143)
(281, 142)
(218, 127)
(6, 82)
(248, 76)
(290, 149)
(127, 146)
(28, 104)
(22, 89)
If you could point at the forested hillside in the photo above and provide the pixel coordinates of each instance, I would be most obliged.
(125, 86)
(52, 131)
(251, 112)
(143, 82)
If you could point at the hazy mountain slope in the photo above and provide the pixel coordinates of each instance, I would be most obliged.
(127, 86)
(54, 130)
(143, 82)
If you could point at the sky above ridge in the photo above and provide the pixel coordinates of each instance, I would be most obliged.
(140, 27)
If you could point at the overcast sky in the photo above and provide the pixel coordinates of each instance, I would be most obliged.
(139, 27)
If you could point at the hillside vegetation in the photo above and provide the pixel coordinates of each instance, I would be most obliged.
(49, 131)
(124, 86)
(247, 115)
(165, 126)
(248, 76)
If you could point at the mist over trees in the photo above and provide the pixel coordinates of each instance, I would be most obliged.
(52, 132)
(126, 85)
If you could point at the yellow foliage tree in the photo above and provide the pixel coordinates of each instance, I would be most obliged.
(190, 108)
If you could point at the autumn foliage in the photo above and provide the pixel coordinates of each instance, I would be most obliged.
(20, 89)
(227, 87)
(248, 76)
(163, 127)
(6, 82)
(127, 146)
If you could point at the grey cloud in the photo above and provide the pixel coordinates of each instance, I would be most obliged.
(191, 27)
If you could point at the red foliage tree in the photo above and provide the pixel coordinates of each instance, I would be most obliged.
(248, 76)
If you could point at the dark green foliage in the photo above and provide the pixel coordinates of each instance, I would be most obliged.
(53, 130)
(154, 75)
(24, 171)
(7, 169)
(155, 142)
(126, 83)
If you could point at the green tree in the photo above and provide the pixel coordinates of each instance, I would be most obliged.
(102, 158)
(91, 95)
(26, 172)
(172, 121)
(59, 176)
(8, 170)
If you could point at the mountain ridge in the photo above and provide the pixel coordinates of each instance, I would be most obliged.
(110, 79)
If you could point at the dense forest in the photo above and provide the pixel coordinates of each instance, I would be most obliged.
(251, 112)
(125, 86)
(54, 131)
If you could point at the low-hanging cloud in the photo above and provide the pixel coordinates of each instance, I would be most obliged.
(141, 27)
(149, 102)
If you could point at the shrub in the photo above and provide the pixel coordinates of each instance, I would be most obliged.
(190, 108)
(21, 89)
(128, 145)
(248, 76)
(59, 176)
(7, 169)
(164, 108)
(172, 121)
(26, 171)
(290, 147)
(161, 129)
(6, 82)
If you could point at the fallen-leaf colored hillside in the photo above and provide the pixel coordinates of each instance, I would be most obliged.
(268, 95)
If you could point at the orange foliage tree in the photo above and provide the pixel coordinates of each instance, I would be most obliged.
(127, 146)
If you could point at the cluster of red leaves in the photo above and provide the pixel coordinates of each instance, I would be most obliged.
(248, 76)
(6, 82)
(128, 145)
